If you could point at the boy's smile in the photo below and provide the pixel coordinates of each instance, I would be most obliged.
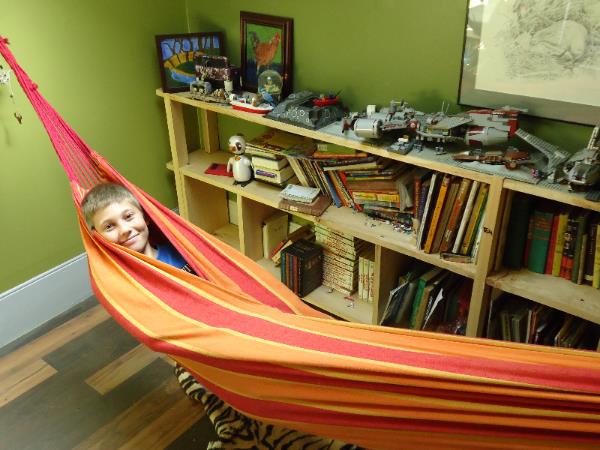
(124, 224)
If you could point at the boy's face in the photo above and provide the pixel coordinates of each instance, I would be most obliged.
(124, 224)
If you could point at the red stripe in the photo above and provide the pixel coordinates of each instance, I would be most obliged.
(198, 308)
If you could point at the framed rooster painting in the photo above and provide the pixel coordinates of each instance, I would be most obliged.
(266, 53)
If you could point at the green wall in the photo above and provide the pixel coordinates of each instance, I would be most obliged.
(96, 63)
(373, 51)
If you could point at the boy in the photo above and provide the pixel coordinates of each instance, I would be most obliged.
(115, 214)
(113, 211)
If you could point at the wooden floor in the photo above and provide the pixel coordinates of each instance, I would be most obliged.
(86, 384)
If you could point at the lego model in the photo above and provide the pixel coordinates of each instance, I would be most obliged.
(300, 109)
(476, 128)
(511, 158)
(251, 103)
(582, 170)
(240, 163)
(372, 124)
(555, 155)
(217, 71)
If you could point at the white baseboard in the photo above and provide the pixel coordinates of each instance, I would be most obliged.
(40, 299)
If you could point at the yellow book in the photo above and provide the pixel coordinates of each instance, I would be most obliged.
(563, 219)
(437, 213)
(596, 278)
(477, 211)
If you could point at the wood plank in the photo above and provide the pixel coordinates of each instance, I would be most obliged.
(56, 338)
(168, 427)
(112, 375)
(140, 415)
(15, 383)
(580, 300)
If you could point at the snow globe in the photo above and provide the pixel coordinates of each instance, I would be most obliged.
(270, 84)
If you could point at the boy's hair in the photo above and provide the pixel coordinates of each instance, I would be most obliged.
(102, 195)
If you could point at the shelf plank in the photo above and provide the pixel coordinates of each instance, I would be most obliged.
(580, 300)
(342, 219)
(330, 300)
(552, 191)
(229, 234)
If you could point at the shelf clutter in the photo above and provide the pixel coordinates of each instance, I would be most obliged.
(388, 224)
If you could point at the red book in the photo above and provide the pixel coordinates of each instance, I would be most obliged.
(552, 245)
(218, 169)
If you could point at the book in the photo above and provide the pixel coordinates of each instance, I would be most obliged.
(424, 296)
(299, 193)
(453, 221)
(445, 216)
(596, 270)
(563, 219)
(218, 169)
(274, 230)
(417, 310)
(465, 216)
(436, 213)
(568, 255)
(503, 241)
(582, 226)
(277, 177)
(267, 163)
(552, 244)
(476, 216)
(316, 208)
(304, 265)
(590, 249)
(304, 232)
(542, 219)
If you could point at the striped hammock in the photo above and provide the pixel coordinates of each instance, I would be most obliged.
(257, 346)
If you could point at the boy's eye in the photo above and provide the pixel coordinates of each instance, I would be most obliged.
(107, 227)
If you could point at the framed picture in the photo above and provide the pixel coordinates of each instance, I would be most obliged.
(538, 55)
(176, 54)
(266, 52)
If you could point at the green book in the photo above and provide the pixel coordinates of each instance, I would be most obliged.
(543, 217)
(424, 280)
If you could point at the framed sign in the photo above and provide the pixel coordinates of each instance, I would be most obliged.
(176, 54)
(266, 51)
(541, 56)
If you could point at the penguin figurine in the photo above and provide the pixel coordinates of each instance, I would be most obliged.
(241, 164)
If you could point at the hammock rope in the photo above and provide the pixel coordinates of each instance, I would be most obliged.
(250, 340)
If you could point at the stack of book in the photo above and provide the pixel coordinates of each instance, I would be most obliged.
(340, 259)
(303, 199)
(366, 272)
(429, 298)
(554, 239)
(449, 214)
(268, 161)
(302, 267)
(516, 319)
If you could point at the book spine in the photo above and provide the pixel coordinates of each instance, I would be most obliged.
(297, 168)
(540, 237)
(588, 276)
(475, 214)
(581, 230)
(332, 191)
(569, 249)
(370, 279)
(552, 245)
(581, 259)
(596, 275)
(457, 208)
(465, 217)
(560, 242)
(436, 213)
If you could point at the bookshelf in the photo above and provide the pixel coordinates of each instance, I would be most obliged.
(203, 200)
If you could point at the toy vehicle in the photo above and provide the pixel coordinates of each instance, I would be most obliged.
(299, 109)
(373, 123)
(252, 104)
(582, 170)
(216, 70)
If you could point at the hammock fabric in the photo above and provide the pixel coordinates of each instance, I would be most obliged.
(258, 347)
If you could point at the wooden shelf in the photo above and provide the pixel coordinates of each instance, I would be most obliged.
(350, 141)
(342, 219)
(229, 234)
(580, 300)
(557, 192)
(331, 301)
